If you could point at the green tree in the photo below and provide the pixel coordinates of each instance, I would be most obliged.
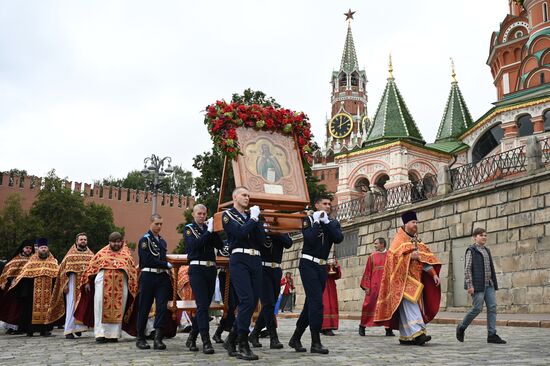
(315, 189)
(250, 96)
(61, 213)
(207, 184)
(15, 226)
(187, 214)
(179, 183)
(98, 225)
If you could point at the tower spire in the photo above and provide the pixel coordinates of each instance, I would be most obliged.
(349, 56)
(456, 116)
(390, 68)
(453, 73)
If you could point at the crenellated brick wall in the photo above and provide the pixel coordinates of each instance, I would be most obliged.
(131, 208)
(516, 214)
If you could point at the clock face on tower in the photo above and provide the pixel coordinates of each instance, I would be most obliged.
(340, 125)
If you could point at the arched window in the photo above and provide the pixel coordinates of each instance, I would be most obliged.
(429, 184)
(381, 181)
(354, 79)
(413, 176)
(487, 142)
(362, 185)
(525, 126)
(547, 121)
(545, 12)
(343, 80)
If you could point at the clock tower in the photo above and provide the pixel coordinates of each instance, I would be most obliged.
(348, 124)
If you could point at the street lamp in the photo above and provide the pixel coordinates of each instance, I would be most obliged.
(155, 165)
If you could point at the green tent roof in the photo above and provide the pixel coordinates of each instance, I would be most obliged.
(449, 147)
(456, 117)
(393, 120)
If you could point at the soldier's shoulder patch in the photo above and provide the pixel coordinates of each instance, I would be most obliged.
(144, 245)
(225, 218)
(305, 224)
(188, 232)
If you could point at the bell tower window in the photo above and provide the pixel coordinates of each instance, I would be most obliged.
(354, 80)
(343, 81)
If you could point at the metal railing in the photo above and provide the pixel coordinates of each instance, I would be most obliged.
(396, 196)
(488, 169)
(350, 209)
(412, 192)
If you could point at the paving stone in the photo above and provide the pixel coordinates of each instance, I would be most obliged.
(526, 346)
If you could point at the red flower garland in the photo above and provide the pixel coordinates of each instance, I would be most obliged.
(223, 119)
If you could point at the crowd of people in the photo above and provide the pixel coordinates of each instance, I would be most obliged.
(107, 292)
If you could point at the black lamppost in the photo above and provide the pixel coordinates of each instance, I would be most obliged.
(155, 165)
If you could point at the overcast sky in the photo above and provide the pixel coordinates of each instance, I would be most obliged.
(90, 88)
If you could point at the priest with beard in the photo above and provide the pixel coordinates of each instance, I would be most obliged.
(33, 288)
(9, 312)
(409, 292)
(108, 288)
(65, 290)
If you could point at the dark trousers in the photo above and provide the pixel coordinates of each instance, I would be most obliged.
(226, 323)
(203, 284)
(271, 284)
(286, 302)
(157, 287)
(314, 277)
(246, 274)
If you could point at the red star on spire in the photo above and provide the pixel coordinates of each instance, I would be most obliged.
(349, 14)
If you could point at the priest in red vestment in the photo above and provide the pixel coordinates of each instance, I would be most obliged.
(108, 288)
(66, 286)
(330, 299)
(409, 292)
(370, 283)
(9, 311)
(33, 290)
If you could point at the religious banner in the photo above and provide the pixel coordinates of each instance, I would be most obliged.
(267, 147)
(270, 166)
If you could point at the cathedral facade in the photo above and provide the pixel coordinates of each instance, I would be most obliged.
(362, 154)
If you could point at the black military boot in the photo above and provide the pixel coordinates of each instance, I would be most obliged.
(217, 337)
(494, 338)
(295, 340)
(230, 344)
(254, 337)
(245, 353)
(274, 340)
(141, 343)
(460, 333)
(191, 342)
(361, 331)
(389, 332)
(207, 347)
(158, 344)
(316, 346)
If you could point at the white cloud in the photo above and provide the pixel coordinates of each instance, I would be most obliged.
(91, 88)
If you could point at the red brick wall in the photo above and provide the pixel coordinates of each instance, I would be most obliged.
(130, 209)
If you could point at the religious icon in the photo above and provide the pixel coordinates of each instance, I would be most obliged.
(267, 166)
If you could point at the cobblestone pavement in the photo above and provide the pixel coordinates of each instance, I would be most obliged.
(526, 346)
